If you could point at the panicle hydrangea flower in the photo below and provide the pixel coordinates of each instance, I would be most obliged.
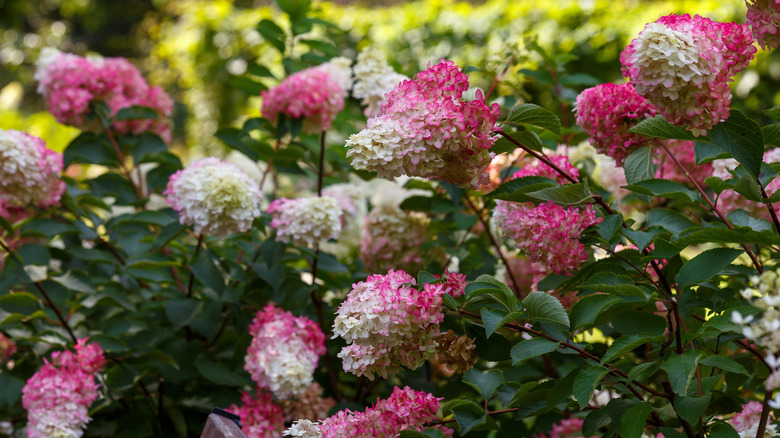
(284, 351)
(306, 221)
(69, 83)
(393, 238)
(746, 422)
(29, 172)
(7, 346)
(682, 66)
(763, 16)
(58, 396)
(426, 130)
(729, 200)
(374, 78)
(388, 322)
(606, 112)
(548, 234)
(315, 94)
(568, 427)
(611, 177)
(351, 198)
(260, 416)
(405, 409)
(685, 153)
(215, 197)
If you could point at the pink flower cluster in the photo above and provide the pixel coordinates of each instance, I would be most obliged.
(405, 409)
(58, 396)
(569, 427)
(537, 168)
(682, 66)
(284, 351)
(548, 234)
(746, 422)
(606, 112)
(426, 130)
(393, 238)
(764, 19)
(260, 416)
(685, 153)
(315, 94)
(69, 83)
(7, 346)
(388, 322)
(29, 173)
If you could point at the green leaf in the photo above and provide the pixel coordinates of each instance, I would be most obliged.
(624, 344)
(485, 382)
(740, 218)
(585, 311)
(725, 364)
(218, 374)
(614, 284)
(247, 85)
(741, 138)
(469, 415)
(706, 265)
(749, 188)
(502, 145)
(680, 369)
(88, 148)
(19, 302)
(773, 113)
(527, 138)
(691, 408)
(586, 382)
(428, 433)
(723, 430)
(541, 305)
(205, 270)
(515, 189)
(296, 9)
(706, 152)
(771, 134)
(73, 283)
(633, 421)
(535, 115)
(531, 348)
(658, 127)
(664, 188)
(609, 226)
(494, 319)
(181, 311)
(11, 395)
(496, 290)
(136, 112)
(639, 165)
(669, 219)
(567, 194)
(725, 235)
(272, 33)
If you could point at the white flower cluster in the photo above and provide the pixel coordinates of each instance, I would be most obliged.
(306, 221)
(374, 78)
(215, 197)
(765, 330)
(288, 371)
(351, 198)
(340, 70)
(303, 429)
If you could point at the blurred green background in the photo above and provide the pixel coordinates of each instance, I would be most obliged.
(194, 48)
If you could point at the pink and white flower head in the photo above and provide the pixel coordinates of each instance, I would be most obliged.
(69, 83)
(682, 66)
(260, 416)
(284, 351)
(685, 153)
(389, 323)
(569, 427)
(215, 197)
(305, 221)
(549, 234)
(393, 238)
(29, 171)
(405, 409)
(374, 78)
(764, 19)
(316, 94)
(746, 422)
(58, 396)
(606, 112)
(425, 129)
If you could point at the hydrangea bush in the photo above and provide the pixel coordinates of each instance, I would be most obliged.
(413, 255)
